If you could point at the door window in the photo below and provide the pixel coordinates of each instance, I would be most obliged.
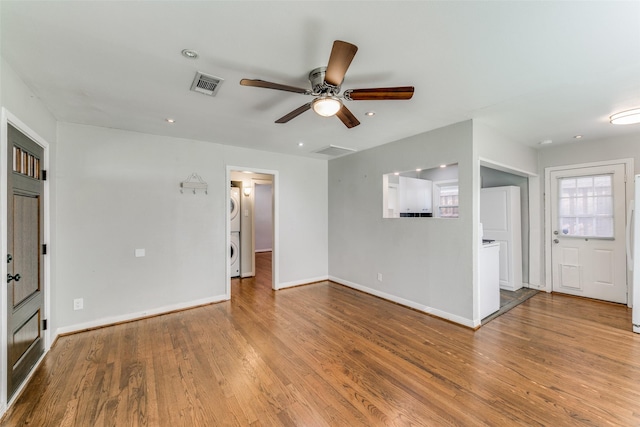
(585, 206)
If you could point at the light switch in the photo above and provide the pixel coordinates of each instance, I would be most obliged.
(140, 253)
(246, 212)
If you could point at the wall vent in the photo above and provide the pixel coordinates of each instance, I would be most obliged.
(333, 151)
(206, 84)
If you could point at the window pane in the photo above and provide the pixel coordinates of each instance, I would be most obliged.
(585, 206)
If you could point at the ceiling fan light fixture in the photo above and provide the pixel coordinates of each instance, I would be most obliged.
(628, 117)
(326, 106)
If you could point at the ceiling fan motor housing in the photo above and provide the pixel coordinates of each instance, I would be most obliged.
(319, 86)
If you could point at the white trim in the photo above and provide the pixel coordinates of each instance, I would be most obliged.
(411, 304)
(275, 260)
(107, 321)
(629, 173)
(8, 118)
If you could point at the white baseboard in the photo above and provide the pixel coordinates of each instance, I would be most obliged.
(106, 321)
(408, 303)
(302, 282)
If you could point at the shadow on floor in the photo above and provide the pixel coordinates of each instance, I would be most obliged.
(510, 299)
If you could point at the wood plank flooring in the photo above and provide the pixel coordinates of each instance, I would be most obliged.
(327, 355)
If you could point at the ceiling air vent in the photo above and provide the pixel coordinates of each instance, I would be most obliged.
(333, 150)
(206, 84)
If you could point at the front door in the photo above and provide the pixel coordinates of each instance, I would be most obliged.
(588, 232)
(25, 290)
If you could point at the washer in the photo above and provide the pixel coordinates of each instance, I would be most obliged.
(234, 255)
(234, 215)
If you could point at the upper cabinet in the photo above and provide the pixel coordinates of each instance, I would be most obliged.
(421, 193)
(415, 197)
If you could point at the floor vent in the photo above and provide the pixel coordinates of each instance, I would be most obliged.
(206, 84)
(333, 150)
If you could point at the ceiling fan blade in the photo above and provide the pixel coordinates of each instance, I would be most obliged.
(382, 93)
(295, 113)
(342, 54)
(270, 85)
(347, 117)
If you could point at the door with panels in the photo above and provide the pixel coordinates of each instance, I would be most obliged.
(25, 267)
(588, 232)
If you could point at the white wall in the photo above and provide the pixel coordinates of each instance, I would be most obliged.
(426, 263)
(263, 217)
(119, 190)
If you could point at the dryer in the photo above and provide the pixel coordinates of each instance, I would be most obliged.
(234, 255)
(234, 214)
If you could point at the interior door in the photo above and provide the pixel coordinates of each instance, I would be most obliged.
(25, 290)
(588, 231)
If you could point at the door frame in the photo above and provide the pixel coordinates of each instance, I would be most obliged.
(275, 260)
(628, 178)
(7, 118)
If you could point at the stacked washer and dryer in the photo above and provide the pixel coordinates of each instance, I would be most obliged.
(234, 251)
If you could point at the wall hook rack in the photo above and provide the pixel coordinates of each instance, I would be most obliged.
(194, 182)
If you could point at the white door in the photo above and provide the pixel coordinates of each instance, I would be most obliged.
(588, 231)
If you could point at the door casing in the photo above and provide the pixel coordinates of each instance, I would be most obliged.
(629, 171)
(6, 118)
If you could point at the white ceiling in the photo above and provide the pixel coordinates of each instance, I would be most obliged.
(531, 70)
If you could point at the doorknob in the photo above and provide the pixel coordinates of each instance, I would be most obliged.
(555, 232)
(556, 241)
(10, 278)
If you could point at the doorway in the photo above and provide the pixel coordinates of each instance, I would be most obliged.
(258, 226)
(587, 205)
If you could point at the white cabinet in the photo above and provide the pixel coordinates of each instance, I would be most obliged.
(500, 218)
(414, 196)
(489, 279)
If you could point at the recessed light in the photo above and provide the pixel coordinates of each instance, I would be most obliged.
(170, 120)
(188, 53)
(629, 117)
(577, 136)
(370, 113)
(418, 170)
(545, 142)
(396, 173)
(443, 166)
(300, 144)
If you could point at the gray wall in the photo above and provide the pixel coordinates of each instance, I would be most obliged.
(119, 191)
(426, 263)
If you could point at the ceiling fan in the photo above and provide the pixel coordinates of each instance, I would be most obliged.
(325, 87)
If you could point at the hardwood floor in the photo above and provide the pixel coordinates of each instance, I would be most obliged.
(324, 354)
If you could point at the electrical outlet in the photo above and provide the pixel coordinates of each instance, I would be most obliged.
(379, 277)
(78, 304)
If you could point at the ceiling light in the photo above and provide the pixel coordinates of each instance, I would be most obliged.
(418, 170)
(396, 173)
(443, 166)
(628, 117)
(170, 120)
(370, 113)
(188, 53)
(577, 136)
(326, 106)
(300, 144)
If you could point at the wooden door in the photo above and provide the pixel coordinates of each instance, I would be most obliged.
(588, 232)
(25, 275)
